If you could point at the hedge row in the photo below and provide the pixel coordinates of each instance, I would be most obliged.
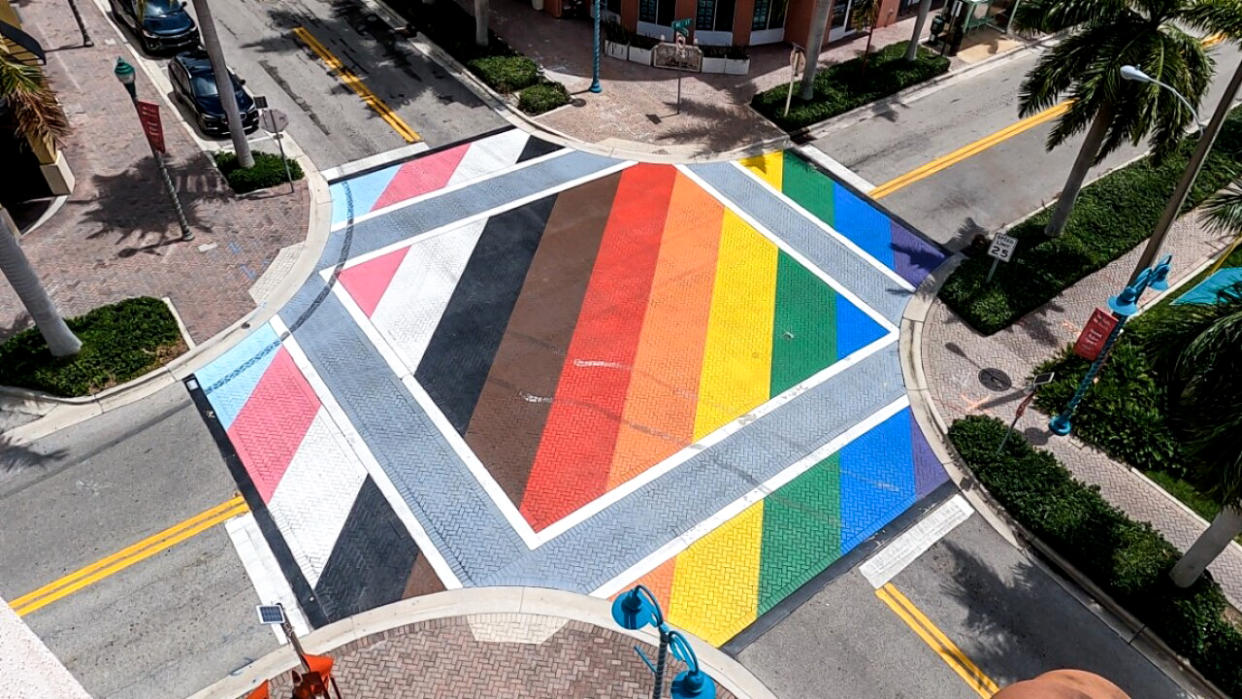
(1129, 560)
(1111, 216)
(497, 64)
(846, 85)
(268, 171)
(120, 341)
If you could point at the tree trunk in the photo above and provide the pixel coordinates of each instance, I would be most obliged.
(1222, 530)
(16, 268)
(912, 50)
(480, 22)
(867, 51)
(814, 42)
(1086, 158)
(224, 84)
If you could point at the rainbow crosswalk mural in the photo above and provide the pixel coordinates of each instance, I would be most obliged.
(639, 313)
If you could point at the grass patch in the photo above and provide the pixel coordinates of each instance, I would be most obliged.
(498, 65)
(268, 171)
(120, 341)
(1113, 214)
(1129, 560)
(843, 86)
(543, 97)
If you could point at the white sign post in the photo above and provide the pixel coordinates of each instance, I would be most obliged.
(274, 122)
(1001, 250)
(797, 63)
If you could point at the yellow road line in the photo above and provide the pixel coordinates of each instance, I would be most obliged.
(355, 83)
(935, 638)
(128, 556)
(972, 149)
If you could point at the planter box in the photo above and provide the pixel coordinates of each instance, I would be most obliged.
(638, 55)
(615, 50)
(730, 66)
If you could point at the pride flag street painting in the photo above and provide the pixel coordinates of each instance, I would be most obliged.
(527, 365)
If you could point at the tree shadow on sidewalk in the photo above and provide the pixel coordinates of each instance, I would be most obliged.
(16, 457)
(705, 127)
(133, 206)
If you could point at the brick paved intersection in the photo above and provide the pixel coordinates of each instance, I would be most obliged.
(527, 365)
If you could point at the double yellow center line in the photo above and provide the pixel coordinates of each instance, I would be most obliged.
(935, 638)
(128, 556)
(355, 83)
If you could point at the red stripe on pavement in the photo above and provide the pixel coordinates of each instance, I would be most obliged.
(575, 453)
(423, 175)
(366, 282)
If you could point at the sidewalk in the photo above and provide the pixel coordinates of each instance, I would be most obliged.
(487, 642)
(117, 237)
(637, 106)
(971, 374)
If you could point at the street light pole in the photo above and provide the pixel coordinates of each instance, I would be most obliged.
(595, 86)
(77, 17)
(224, 82)
(124, 72)
(635, 609)
(1175, 203)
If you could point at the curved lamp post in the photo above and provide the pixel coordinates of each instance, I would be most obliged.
(1124, 305)
(124, 73)
(1138, 76)
(635, 609)
(595, 86)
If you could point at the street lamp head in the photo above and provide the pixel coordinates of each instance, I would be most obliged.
(632, 610)
(1160, 273)
(1133, 73)
(692, 683)
(124, 72)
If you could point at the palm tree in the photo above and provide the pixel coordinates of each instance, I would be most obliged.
(1198, 351)
(814, 42)
(480, 22)
(1108, 34)
(912, 49)
(35, 114)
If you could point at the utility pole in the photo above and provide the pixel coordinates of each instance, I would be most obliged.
(1175, 203)
(224, 82)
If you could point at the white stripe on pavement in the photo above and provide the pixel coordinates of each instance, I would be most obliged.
(902, 551)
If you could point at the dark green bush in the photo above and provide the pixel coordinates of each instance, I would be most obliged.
(846, 85)
(614, 32)
(1112, 215)
(505, 74)
(268, 171)
(543, 97)
(119, 342)
(1129, 560)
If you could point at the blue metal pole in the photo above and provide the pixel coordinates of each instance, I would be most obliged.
(661, 659)
(595, 86)
(1061, 423)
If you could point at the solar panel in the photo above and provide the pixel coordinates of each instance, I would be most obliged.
(271, 614)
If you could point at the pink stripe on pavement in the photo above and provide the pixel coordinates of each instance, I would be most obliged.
(423, 175)
(272, 423)
(368, 281)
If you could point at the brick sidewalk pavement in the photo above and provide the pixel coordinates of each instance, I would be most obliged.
(955, 359)
(494, 655)
(117, 237)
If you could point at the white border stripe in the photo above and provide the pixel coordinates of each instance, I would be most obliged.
(681, 543)
(783, 245)
(834, 166)
(377, 473)
(915, 541)
(450, 188)
(853, 247)
(264, 572)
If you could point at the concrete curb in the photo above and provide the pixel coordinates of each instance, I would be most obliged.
(59, 413)
(915, 93)
(1150, 646)
(630, 150)
(534, 601)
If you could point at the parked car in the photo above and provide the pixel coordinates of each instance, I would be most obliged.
(194, 85)
(163, 26)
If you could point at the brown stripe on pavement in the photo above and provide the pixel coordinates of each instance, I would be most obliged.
(509, 417)
(423, 579)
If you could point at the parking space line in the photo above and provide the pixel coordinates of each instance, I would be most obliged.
(355, 83)
(937, 641)
(128, 556)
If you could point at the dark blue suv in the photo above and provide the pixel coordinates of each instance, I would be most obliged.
(163, 26)
(194, 85)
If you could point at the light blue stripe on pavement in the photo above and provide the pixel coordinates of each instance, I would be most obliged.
(228, 398)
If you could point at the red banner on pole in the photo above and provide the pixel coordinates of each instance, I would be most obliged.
(1093, 337)
(149, 115)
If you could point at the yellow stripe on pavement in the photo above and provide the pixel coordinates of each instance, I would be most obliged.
(972, 149)
(128, 556)
(355, 83)
(937, 641)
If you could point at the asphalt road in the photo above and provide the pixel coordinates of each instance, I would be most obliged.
(165, 626)
(996, 187)
(1005, 612)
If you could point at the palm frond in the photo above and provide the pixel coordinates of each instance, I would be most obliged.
(1048, 16)
(1211, 16)
(32, 103)
(1224, 209)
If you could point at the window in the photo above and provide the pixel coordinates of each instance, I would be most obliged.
(657, 11)
(714, 15)
(769, 14)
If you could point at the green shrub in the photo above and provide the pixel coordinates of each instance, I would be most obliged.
(614, 32)
(1129, 560)
(846, 85)
(1112, 215)
(505, 74)
(119, 342)
(543, 97)
(268, 171)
